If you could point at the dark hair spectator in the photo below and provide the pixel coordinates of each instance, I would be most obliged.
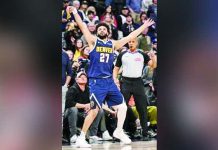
(129, 26)
(78, 47)
(121, 19)
(108, 9)
(143, 17)
(108, 19)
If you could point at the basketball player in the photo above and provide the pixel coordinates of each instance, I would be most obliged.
(101, 83)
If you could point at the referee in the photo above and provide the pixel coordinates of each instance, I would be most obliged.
(133, 62)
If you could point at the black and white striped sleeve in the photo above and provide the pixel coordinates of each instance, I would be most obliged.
(146, 57)
(119, 60)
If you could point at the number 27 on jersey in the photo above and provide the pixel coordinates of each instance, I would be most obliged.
(104, 57)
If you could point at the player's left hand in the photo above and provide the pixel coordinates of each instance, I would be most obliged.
(149, 22)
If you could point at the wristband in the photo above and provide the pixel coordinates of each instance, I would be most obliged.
(75, 11)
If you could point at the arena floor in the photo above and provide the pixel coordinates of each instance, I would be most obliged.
(139, 145)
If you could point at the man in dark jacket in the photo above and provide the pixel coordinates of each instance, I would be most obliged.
(78, 106)
(129, 26)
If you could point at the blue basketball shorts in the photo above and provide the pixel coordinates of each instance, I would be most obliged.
(102, 90)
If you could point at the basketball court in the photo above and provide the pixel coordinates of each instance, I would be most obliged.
(138, 145)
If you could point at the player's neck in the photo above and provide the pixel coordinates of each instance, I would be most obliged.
(105, 39)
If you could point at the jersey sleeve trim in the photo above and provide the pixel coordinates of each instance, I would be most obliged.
(94, 46)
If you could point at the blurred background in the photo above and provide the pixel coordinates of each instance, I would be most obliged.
(187, 75)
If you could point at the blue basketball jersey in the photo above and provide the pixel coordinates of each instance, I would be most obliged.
(101, 60)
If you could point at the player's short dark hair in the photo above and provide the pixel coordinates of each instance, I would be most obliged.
(103, 24)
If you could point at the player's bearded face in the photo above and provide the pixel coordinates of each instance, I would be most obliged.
(102, 33)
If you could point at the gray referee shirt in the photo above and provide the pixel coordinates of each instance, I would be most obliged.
(132, 63)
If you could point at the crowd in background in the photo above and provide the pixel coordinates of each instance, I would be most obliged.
(123, 17)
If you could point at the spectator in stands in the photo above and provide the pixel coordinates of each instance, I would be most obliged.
(92, 8)
(152, 10)
(73, 67)
(154, 78)
(121, 19)
(83, 59)
(113, 30)
(129, 26)
(143, 17)
(69, 37)
(85, 52)
(91, 26)
(66, 77)
(66, 3)
(66, 69)
(152, 118)
(109, 10)
(117, 5)
(83, 8)
(70, 26)
(75, 70)
(93, 2)
(145, 4)
(70, 55)
(78, 46)
(135, 9)
(144, 41)
(76, 4)
(108, 2)
(148, 80)
(151, 115)
(154, 44)
(90, 18)
(78, 105)
(64, 15)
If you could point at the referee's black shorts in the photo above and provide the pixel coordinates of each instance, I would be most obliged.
(132, 85)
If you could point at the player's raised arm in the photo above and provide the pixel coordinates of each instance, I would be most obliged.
(120, 43)
(88, 36)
